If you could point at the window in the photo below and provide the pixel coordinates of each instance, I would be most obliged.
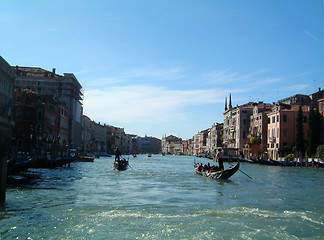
(273, 119)
(305, 119)
(268, 120)
(285, 118)
(285, 133)
(39, 115)
(277, 118)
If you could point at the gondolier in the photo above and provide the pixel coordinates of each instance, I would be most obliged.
(220, 159)
(117, 154)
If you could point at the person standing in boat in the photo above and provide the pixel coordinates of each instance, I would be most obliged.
(117, 154)
(220, 159)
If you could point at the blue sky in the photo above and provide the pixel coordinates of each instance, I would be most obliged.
(165, 66)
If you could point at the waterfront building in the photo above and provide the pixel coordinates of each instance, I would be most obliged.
(256, 147)
(149, 145)
(202, 139)
(236, 125)
(98, 137)
(298, 99)
(214, 139)
(7, 78)
(38, 120)
(185, 145)
(315, 97)
(321, 111)
(195, 143)
(282, 127)
(87, 134)
(66, 89)
(171, 145)
(133, 148)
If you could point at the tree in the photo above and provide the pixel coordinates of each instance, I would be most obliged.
(314, 122)
(300, 144)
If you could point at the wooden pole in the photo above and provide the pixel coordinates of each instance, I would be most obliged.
(3, 173)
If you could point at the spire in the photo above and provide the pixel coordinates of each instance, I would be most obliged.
(225, 103)
(230, 102)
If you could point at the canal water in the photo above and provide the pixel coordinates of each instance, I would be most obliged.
(162, 198)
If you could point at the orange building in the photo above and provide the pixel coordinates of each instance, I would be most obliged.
(282, 127)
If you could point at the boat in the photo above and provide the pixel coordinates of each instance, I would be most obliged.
(121, 165)
(19, 164)
(223, 174)
(84, 159)
(149, 155)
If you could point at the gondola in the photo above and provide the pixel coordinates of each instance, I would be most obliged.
(224, 174)
(121, 165)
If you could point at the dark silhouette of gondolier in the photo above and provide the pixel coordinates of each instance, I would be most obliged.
(117, 154)
(220, 159)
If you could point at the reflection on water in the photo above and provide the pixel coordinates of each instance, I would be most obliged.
(162, 198)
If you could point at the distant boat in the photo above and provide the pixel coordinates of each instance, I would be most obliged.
(102, 154)
(149, 155)
(224, 174)
(134, 155)
(84, 159)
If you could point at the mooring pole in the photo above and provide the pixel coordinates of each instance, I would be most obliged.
(3, 173)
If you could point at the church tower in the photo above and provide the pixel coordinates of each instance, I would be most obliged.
(230, 102)
(226, 104)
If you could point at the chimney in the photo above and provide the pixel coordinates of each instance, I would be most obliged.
(319, 89)
(53, 70)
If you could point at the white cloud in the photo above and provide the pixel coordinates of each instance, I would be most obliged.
(312, 36)
(142, 103)
(295, 88)
(171, 73)
(225, 76)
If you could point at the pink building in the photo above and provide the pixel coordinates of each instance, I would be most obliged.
(282, 127)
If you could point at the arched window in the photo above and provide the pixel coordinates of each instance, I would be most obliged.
(39, 115)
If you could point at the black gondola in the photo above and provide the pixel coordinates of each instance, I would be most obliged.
(224, 174)
(121, 165)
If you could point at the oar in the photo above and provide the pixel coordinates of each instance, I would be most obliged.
(128, 163)
(240, 171)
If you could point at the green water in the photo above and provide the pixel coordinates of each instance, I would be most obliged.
(162, 198)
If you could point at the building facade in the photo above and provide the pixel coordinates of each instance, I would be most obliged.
(6, 103)
(282, 127)
(66, 88)
(257, 145)
(236, 125)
